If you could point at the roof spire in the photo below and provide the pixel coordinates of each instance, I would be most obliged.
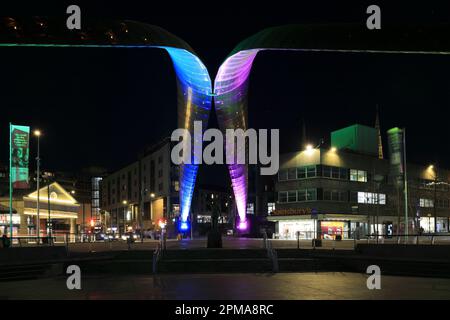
(377, 127)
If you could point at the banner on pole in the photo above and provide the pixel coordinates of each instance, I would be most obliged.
(20, 138)
(395, 141)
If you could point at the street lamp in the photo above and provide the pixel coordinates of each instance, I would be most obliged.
(124, 202)
(37, 134)
(435, 178)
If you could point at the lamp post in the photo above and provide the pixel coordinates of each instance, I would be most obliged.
(124, 202)
(37, 134)
(435, 181)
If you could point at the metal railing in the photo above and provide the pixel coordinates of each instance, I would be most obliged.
(156, 258)
(271, 252)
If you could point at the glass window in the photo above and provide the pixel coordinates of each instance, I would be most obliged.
(282, 175)
(358, 175)
(292, 174)
(326, 195)
(362, 176)
(426, 203)
(270, 207)
(282, 196)
(326, 171)
(334, 195)
(301, 195)
(311, 171)
(343, 173)
(353, 175)
(292, 196)
(311, 194)
(335, 173)
(301, 173)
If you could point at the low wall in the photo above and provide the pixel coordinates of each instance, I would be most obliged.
(419, 252)
(17, 255)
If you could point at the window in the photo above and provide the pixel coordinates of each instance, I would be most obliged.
(282, 175)
(282, 196)
(159, 159)
(250, 208)
(292, 196)
(307, 195)
(301, 173)
(270, 207)
(371, 198)
(334, 195)
(292, 174)
(358, 175)
(343, 173)
(311, 194)
(311, 171)
(160, 187)
(426, 203)
(326, 171)
(160, 173)
(334, 172)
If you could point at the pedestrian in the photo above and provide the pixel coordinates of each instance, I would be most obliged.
(5, 241)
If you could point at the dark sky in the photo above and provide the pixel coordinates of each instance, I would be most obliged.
(100, 106)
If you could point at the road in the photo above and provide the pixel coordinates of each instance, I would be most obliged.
(286, 286)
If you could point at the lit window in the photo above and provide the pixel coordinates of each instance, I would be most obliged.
(426, 203)
(358, 175)
(270, 207)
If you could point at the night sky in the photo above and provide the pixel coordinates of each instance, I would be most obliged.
(101, 106)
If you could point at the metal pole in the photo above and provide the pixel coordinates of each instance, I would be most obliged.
(434, 200)
(10, 185)
(38, 178)
(406, 184)
(49, 234)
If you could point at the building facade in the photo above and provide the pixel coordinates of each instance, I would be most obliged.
(151, 183)
(349, 192)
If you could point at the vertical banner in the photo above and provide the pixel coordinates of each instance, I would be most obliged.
(20, 137)
(395, 141)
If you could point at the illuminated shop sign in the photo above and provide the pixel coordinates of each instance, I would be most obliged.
(4, 219)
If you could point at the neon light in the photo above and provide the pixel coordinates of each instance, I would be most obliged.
(243, 225)
(184, 226)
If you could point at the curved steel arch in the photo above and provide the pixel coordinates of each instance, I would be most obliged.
(193, 82)
(231, 82)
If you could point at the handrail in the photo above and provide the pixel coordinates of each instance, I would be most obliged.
(156, 258)
(271, 252)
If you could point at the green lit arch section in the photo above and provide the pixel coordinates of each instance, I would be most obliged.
(231, 82)
(193, 82)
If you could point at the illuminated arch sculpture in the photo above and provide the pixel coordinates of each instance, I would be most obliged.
(193, 81)
(231, 82)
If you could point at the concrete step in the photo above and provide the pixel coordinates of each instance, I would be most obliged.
(24, 272)
(215, 265)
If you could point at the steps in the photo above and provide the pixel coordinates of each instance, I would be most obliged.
(214, 261)
(28, 271)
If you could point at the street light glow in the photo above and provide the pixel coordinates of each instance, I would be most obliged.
(333, 149)
(37, 133)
